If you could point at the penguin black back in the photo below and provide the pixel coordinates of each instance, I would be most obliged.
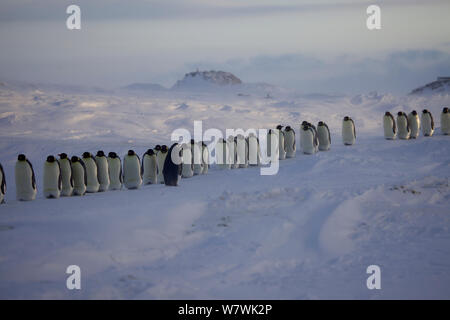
(172, 171)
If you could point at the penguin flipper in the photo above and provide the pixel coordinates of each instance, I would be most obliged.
(33, 178)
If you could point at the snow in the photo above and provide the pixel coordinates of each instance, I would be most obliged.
(308, 232)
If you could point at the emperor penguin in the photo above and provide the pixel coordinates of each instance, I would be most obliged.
(25, 180)
(171, 170)
(282, 150)
(308, 139)
(102, 171)
(445, 121)
(324, 136)
(66, 175)
(196, 155)
(2, 185)
(404, 131)
(132, 178)
(187, 167)
(254, 157)
(273, 141)
(390, 129)
(52, 178)
(289, 142)
(233, 152)
(242, 151)
(79, 176)
(92, 184)
(348, 131)
(205, 158)
(427, 123)
(149, 167)
(414, 124)
(115, 171)
(222, 154)
(161, 155)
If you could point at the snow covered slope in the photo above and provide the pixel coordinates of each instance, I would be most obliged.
(308, 232)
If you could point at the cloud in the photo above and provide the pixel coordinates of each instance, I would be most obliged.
(397, 72)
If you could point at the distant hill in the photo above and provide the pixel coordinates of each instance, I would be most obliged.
(442, 84)
(197, 79)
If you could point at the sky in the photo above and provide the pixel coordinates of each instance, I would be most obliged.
(310, 45)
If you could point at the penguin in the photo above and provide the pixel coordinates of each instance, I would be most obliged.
(308, 139)
(188, 167)
(196, 155)
(205, 158)
(324, 136)
(132, 178)
(273, 141)
(233, 152)
(254, 158)
(348, 131)
(223, 160)
(52, 178)
(390, 129)
(114, 171)
(289, 142)
(92, 184)
(149, 167)
(242, 151)
(172, 171)
(79, 176)
(2, 185)
(414, 124)
(445, 121)
(161, 154)
(282, 150)
(102, 171)
(25, 180)
(404, 131)
(66, 175)
(427, 123)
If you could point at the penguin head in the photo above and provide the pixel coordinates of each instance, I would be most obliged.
(50, 159)
(279, 127)
(387, 113)
(320, 123)
(63, 155)
(445, 110)
(346, 118)
(164, 148)
(131, 153)
(75, 159)
(305, 127)
(424, 111)
(304, 123)
(399, 113)
(86, 154)
(112, 155)
(288, 128)
(21, 157)
(100, 153)
(414, 112)
(158, 147)
(150, 152)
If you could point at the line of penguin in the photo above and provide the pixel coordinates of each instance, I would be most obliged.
(408, 126)
(76, 176)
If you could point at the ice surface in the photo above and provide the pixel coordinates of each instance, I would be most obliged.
(308, 232)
